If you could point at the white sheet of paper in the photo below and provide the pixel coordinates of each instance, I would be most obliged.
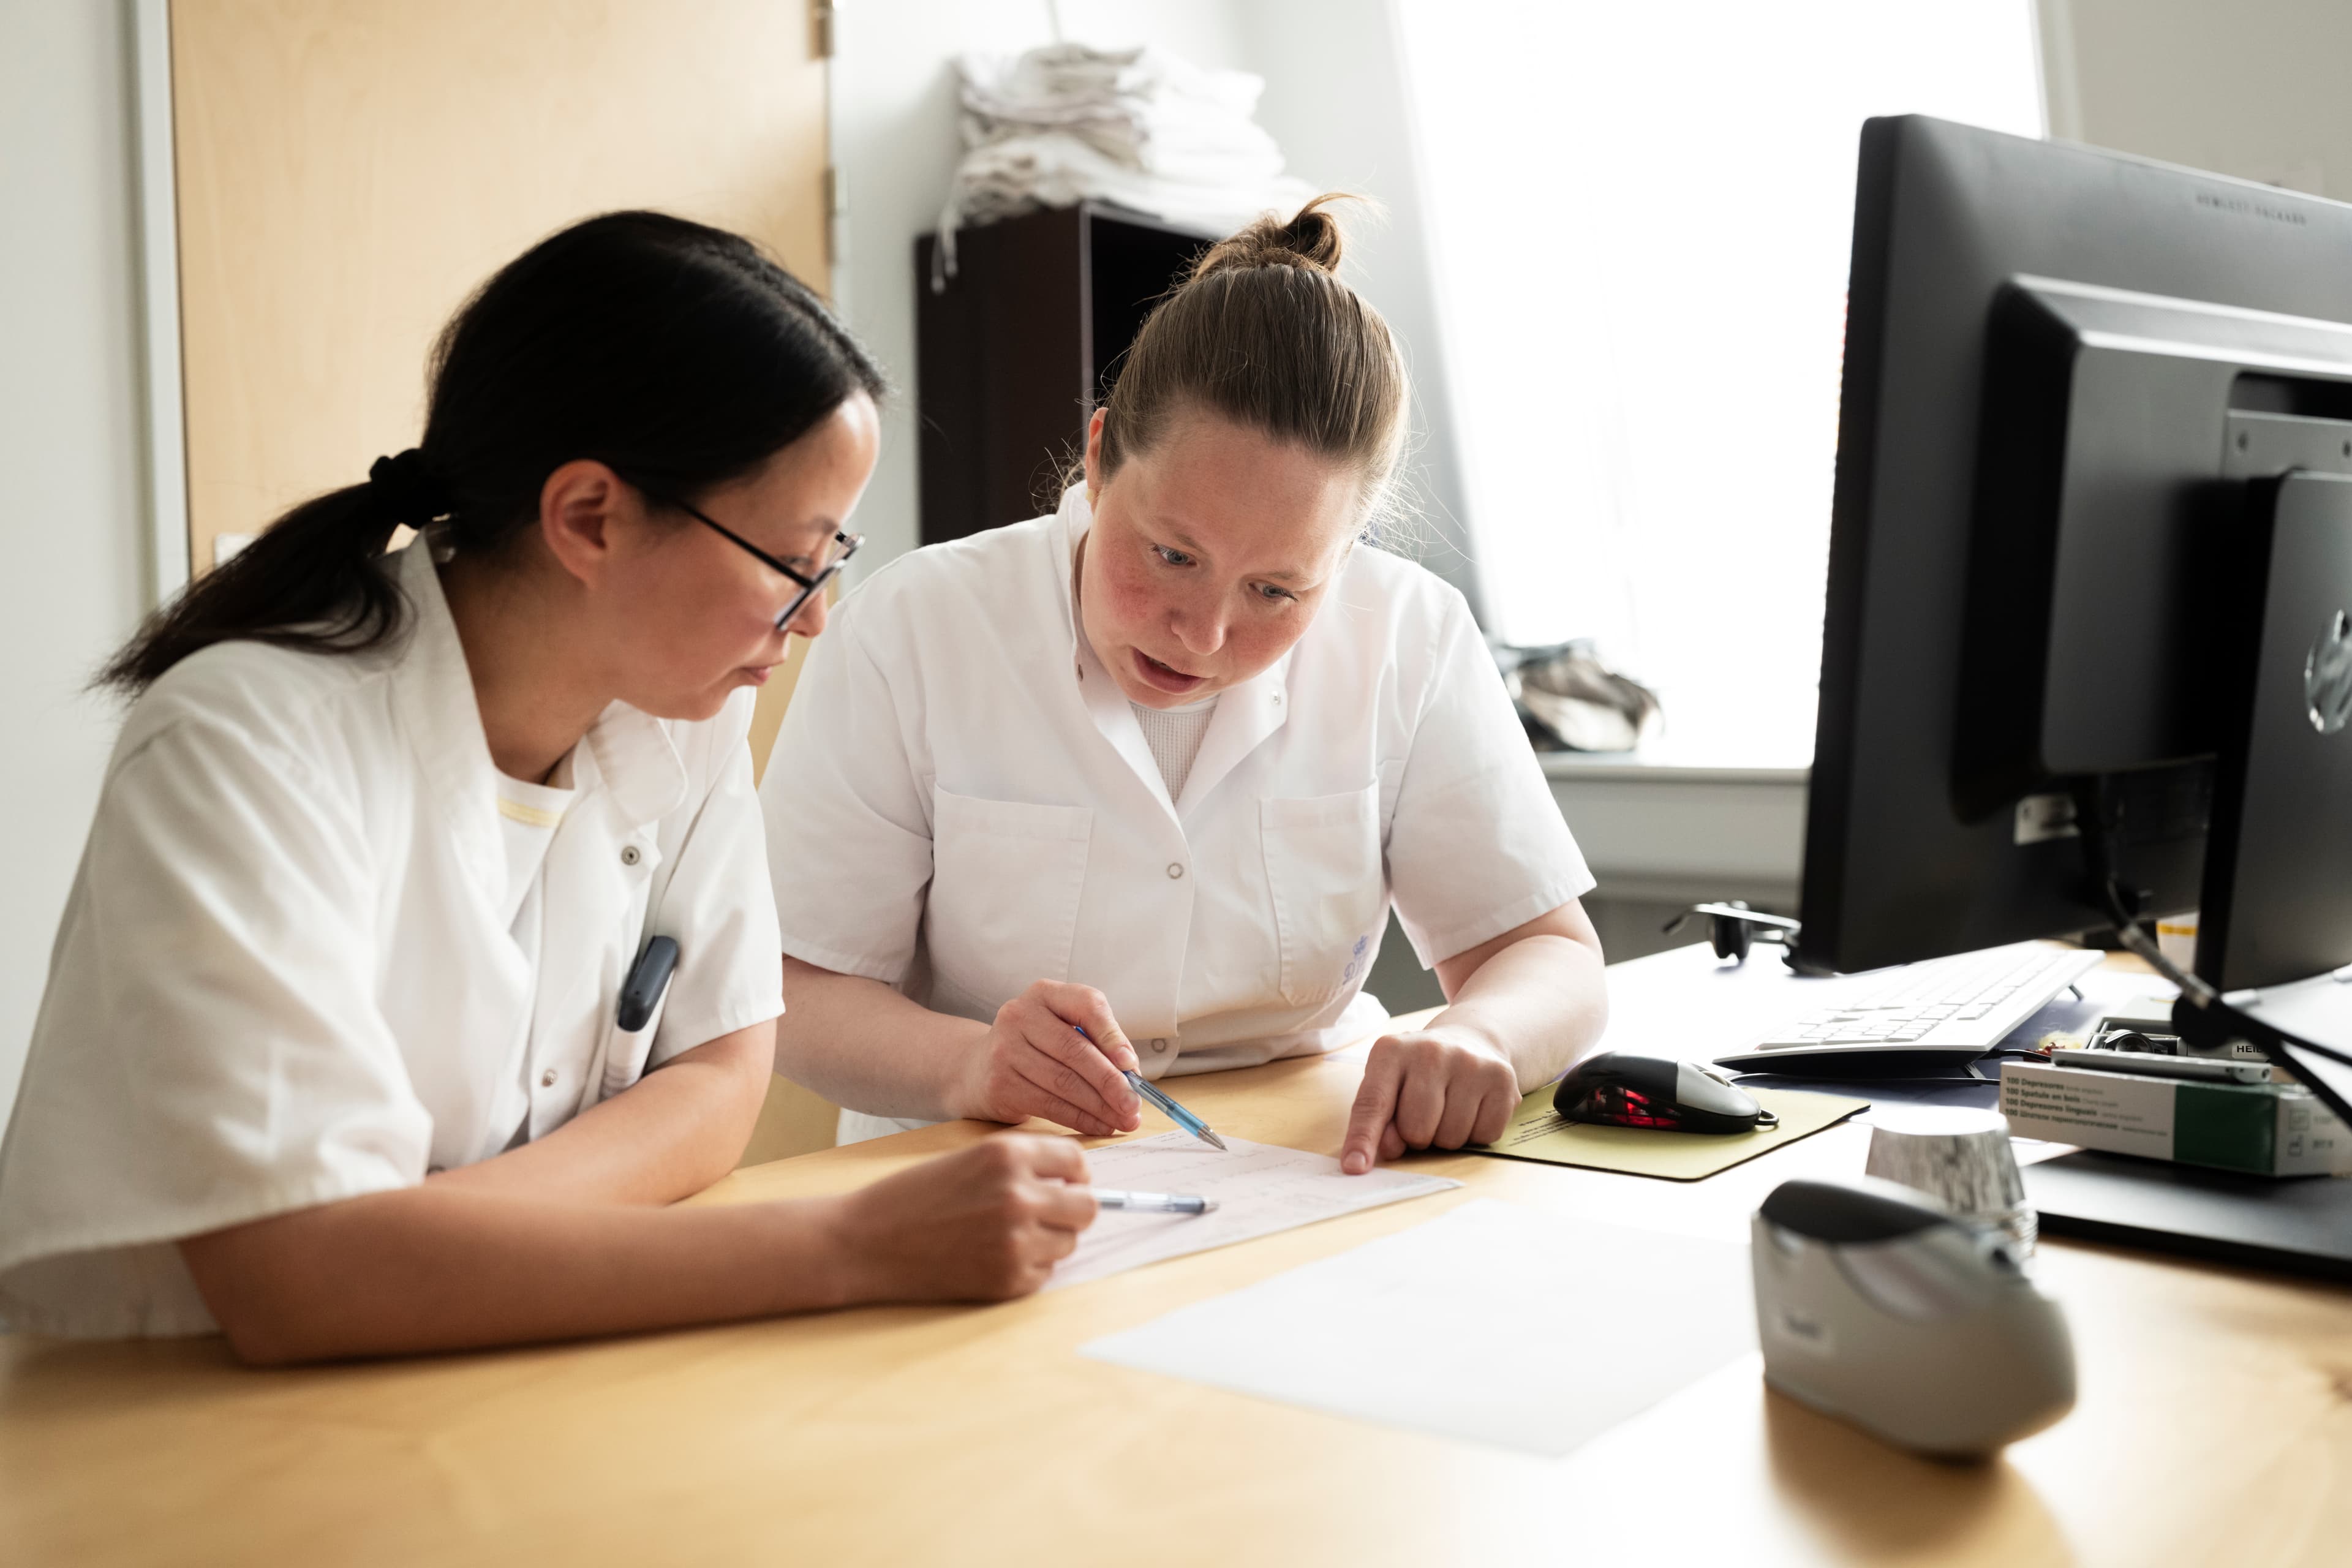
(1260, 1188)
(1491, 1322)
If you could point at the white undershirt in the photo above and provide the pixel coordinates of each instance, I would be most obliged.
(1174, 736)
(528, 814)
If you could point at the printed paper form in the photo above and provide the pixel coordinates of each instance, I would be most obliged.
(1492, 1322)
(1260, 1188)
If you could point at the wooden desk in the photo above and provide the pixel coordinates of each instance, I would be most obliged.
(2215, 1427)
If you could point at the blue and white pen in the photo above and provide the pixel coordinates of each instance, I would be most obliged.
(1148, 1092)
(1153, 1203)
(1173, 1111)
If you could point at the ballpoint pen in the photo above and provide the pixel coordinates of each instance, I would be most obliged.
(1149, 1093)
(1153, 1203)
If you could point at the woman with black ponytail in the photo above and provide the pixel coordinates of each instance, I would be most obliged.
(346, 1046)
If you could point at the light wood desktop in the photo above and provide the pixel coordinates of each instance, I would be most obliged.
(2215, 1423)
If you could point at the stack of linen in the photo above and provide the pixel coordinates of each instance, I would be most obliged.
(1144, 130)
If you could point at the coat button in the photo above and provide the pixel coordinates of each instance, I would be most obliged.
(1160, 1044)
(1174, 870)
(547, 1078)
(631, 854)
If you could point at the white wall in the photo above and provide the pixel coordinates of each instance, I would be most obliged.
(2250, 88)
(1333, 100)
(71, 530)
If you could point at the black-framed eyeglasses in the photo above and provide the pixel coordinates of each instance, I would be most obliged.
(845, 546)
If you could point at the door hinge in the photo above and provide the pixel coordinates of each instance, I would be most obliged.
(821, 15)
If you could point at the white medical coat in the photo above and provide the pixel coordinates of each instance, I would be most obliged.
(961, 803)
(282, 977)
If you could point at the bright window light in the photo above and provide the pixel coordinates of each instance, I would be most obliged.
(1641, 214)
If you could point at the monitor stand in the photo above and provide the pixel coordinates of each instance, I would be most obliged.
(2275, 923)
(2277, 899)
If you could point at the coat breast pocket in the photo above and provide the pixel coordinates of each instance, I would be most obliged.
(1006, 876)
(1331, 895)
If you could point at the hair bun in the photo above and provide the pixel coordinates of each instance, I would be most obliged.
(1311, 239)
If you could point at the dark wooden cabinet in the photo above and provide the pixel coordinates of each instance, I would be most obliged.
(1014, 350)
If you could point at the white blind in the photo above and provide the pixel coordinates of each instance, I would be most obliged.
(1641, 220)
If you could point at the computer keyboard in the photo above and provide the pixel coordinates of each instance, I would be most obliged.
(1960, 1006)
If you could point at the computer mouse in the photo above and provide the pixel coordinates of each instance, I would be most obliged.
(1622, 1088)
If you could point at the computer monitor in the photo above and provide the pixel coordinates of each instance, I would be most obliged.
(2072, 381)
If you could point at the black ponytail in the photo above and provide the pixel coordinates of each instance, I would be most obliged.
(678, 355)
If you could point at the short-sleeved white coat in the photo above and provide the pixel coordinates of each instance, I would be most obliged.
(283, 976)
(961, 803)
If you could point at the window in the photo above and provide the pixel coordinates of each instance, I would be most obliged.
(1641, 214)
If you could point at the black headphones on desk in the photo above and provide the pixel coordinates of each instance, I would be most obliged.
(1733, 929)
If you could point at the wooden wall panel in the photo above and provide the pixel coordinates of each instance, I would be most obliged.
(349, 170)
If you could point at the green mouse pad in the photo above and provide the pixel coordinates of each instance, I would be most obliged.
(1537, 1133)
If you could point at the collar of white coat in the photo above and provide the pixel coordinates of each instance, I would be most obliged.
(626, 754)
(1246, 714)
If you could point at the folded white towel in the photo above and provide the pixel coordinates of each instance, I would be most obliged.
(1137, 127)
(1019, 174)
(1206, 154)
(1044, 86)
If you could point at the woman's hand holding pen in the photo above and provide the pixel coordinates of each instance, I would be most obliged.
(1438, 1088)
(1035, 1063)
(986, 1224)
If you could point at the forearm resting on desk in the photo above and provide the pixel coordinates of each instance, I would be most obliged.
(441, 1267)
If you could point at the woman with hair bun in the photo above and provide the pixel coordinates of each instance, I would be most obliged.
(422, 949)
(1133, 787)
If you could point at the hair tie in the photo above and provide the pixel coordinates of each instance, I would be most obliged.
(404, 489)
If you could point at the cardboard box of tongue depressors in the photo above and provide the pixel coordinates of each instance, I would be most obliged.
(2263, 1129)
